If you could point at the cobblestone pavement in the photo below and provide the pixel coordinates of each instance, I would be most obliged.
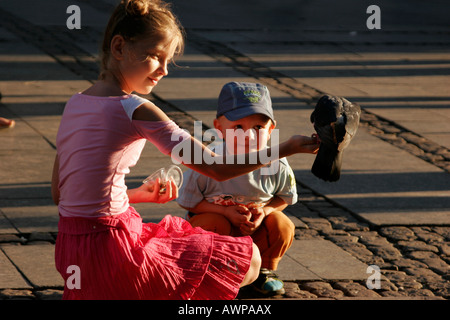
(414, 261)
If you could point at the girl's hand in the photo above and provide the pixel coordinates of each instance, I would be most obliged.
(154, 193)
(304, 144)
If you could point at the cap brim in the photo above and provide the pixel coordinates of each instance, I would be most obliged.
(237, 114)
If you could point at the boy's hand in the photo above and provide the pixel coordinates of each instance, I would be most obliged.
(257, 216)
(237, 214)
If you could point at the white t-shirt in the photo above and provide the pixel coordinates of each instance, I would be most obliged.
(250, 188)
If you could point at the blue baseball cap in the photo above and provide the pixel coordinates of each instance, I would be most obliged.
(238, 100)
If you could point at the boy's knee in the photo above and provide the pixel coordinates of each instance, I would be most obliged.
(280, 222)
(291, 227)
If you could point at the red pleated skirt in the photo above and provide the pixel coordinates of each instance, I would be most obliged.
(120, 257)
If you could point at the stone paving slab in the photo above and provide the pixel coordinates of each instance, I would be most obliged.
(37, 263)
(323, 259)
(10, 278)
(153, 212)
(26, 166)
(411, 218)
(290, 269)
(5, 226)
(418, 119)
(33, 218)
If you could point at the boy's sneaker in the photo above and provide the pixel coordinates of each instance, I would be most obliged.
(268, 283)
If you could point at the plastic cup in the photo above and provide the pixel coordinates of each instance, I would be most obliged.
(164, 175)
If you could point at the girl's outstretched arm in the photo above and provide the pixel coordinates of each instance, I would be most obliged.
(224, 167)
(192, 153)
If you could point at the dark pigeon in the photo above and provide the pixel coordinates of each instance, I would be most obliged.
(336, 121)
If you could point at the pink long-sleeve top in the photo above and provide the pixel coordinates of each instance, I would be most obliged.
(97, 143)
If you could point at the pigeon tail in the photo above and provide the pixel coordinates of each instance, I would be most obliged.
(327, 165)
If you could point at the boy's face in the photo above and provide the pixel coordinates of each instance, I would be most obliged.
(245, 135)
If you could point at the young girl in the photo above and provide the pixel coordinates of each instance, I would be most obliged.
(103, 250)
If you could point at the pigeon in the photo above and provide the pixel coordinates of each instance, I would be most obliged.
(336, 121)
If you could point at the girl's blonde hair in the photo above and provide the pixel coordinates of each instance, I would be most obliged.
(139, 19)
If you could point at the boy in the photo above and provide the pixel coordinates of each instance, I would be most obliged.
(251, 204)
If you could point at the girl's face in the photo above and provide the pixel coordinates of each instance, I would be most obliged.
(145, 63)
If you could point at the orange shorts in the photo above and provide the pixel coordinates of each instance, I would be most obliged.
(273, 238)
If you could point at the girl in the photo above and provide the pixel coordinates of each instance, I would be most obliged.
(101, 135)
